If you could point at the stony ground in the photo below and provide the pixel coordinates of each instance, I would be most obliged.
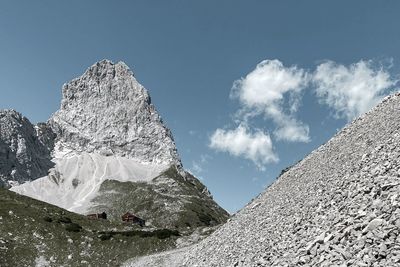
(340, 206)
(167, 258)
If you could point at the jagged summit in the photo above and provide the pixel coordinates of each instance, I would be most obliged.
(107, 111)
(12, 115)
(106, 69)
(22, 155)
(11, 112)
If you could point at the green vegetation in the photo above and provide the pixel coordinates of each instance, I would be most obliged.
(170, 201)
(36, 233)
(32, 231)
(64, 220)
(159, 233)
(73, 227)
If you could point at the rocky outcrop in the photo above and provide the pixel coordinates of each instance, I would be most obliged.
(108, 112)
(23, 156)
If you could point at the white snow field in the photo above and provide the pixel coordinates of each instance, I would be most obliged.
(76, 178)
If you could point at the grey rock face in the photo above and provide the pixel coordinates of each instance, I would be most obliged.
(23, 156)
(107, 111)
(45, 135)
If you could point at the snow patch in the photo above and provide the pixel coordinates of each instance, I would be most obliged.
(76, 178)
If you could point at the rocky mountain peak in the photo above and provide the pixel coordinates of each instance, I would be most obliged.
(10, 112)
(106, 110)
(105, 149)
(22, 155)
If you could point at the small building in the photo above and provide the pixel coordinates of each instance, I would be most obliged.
(96, 216)
(131, 218)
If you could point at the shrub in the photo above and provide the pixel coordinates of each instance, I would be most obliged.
(47, 219)
(64, 220)
(205, 218)
(73, 227)
(106, 236)
(166, 233)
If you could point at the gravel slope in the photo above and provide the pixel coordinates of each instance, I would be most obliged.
(167, 258)
(340, 206)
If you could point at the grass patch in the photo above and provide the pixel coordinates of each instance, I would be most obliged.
(30, 229)
(64, 220)
(73, 227)
(188, 206)
(47, 219)
(159, 233)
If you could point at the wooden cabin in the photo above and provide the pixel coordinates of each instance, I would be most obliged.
(97, 216)
(131, 218)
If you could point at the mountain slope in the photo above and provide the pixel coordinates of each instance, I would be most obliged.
(169, 200)
(339, 206)
(34, 233)
(77, 177)
(107, 133)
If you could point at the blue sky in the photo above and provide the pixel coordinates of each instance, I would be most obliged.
(303, 69)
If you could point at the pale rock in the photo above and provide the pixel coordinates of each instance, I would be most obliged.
(372, 225)
(23, 156)
(107, 111)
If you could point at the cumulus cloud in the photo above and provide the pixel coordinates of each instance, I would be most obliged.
(198, 165)
(292, 130)
(275, 91)
(351, 90)
(256, 146)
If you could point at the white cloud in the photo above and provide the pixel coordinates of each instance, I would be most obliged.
(196, 170)
(275, 91)
(351, 90)
(292, 130)
(255, 179)
(199, 166)
(256, 146)
(204, 158)
(196, 167)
